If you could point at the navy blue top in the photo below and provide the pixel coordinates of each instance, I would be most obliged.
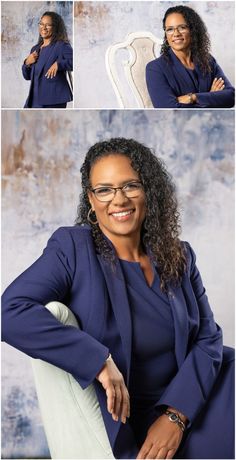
(153, 362)
(43, 55)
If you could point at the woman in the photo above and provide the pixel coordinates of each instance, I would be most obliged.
(186, 75)
(47, 65)
(148, 342)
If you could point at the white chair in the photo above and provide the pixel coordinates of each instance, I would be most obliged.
(143, 47)
(71, 416)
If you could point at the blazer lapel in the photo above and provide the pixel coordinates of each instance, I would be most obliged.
(120, 305)
(204, 81)
(180, 316)
(183, 79)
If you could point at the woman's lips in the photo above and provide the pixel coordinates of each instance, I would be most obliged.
(178, 40)
(122, 216)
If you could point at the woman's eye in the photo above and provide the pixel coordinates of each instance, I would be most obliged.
(103, 191)
(132, 186)
(170, 30)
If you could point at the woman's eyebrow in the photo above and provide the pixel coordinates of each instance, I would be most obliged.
(105, 184)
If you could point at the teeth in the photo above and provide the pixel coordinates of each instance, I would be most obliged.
(121, 214)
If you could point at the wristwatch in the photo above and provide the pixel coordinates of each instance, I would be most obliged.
(191, 100)
(173, 417)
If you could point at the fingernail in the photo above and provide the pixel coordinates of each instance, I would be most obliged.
(123, 420)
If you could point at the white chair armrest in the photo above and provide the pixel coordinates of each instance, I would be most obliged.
(71, 416)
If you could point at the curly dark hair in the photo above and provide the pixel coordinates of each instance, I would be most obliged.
(200, 40)
(160, 229)
(58, 28)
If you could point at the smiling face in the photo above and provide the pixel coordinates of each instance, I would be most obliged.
(178, 40)
(121, 216)
(46, 27)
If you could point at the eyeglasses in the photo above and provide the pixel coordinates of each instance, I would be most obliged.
(182, 28)
(130, 190)
(47, 26)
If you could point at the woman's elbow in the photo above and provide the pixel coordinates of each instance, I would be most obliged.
(11, 315)
(231, 97)
(7, 323)
(70, 65)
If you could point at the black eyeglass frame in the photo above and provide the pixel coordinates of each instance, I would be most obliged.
(114, 190)
(173, 29)
(45, 25)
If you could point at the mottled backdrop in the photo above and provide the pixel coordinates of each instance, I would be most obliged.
(19, 34)
(42, 154)
(101, 24)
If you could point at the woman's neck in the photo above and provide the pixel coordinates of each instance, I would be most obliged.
(185, 57)
(46, 42)
(128, 247)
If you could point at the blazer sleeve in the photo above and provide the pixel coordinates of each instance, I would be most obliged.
(30, 327)
(190, 388)
(217, 99)
(160, 91)
(65, 59)
(27, 69)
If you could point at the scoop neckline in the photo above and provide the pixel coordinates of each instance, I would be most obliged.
(129, 261)
(137, 264)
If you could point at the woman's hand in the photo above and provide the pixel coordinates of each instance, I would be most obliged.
(217, 85)
(52, 71)
(162, 440)
(32, 58)
(117, 394)
(187, 99)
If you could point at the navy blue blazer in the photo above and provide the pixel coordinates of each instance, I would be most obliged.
(71, 271)
(54, 90)
(167, 78)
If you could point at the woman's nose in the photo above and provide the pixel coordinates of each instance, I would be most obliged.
(119, 197)
(176, 31)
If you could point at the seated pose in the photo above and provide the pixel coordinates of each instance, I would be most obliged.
(186, 75)
(47, 64)
(147, 340)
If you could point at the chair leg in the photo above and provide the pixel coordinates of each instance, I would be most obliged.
(71, 416)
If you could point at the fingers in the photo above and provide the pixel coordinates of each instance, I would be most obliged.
(117, 394)
(144, 451)
(32, 58)
(118, 402)
(52, 71)
(217, 84)
(125, 408)
(171, 453)
(161, 453)
(119, 405)
(111, 394)
(152, 451)
(157, 453)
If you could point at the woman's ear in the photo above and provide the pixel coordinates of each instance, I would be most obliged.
(90, 197)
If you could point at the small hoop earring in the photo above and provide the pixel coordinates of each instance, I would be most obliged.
(89, 218)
